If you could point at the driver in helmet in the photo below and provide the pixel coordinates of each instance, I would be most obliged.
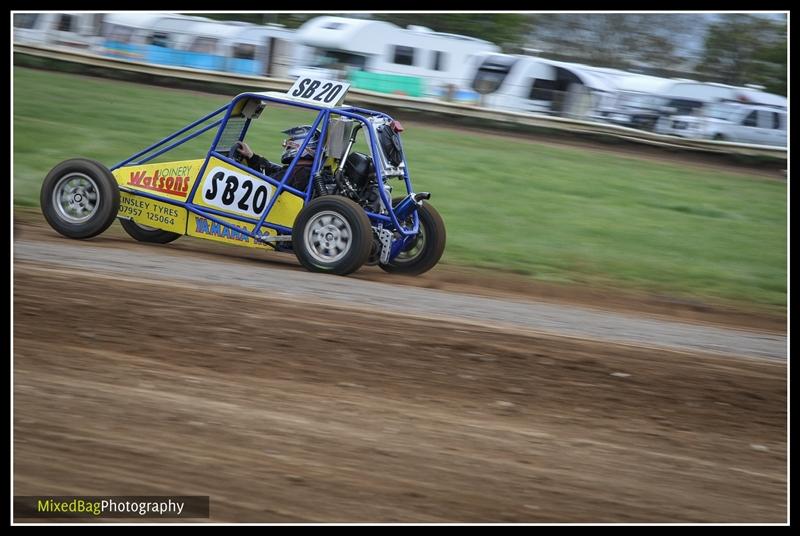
(302, 170)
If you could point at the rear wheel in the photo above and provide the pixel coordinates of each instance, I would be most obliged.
(80, 198)
(143, 233)
(423, 251)
(332, 234)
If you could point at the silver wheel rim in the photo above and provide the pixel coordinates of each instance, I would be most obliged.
(328, 237)
(76, 197)
(413, 252)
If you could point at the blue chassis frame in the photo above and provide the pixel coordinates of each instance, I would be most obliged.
(359, 114)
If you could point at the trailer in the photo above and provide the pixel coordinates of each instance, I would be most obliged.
(200, 43)
(73, 30)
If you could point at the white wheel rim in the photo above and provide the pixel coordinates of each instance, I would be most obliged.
(328, 237)
(76, 197)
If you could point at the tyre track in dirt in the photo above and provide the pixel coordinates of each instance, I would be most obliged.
(146, 263)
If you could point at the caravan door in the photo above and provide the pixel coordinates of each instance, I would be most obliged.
(765, 132)
(776, 133)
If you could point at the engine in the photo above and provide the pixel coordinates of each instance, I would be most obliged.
(357, 181)
(359, 169)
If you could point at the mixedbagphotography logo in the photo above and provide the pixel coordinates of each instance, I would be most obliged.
(139, 506)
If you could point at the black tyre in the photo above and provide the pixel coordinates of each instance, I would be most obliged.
(332, 234)
(422, 253)
(719, 137)
(80, 198)
(142, 233)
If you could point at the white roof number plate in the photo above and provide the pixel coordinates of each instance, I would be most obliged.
(319, 92)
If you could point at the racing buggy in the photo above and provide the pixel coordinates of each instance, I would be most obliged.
(346, 217)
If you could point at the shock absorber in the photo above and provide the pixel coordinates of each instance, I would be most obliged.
(319, 185)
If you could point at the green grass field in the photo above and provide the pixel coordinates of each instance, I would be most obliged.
(556, 214)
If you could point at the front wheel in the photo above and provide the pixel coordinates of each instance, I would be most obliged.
(424, 250)
(142, 233)
(332, 234)
(80, 198)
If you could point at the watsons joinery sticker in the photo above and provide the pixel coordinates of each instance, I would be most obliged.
(169, 180)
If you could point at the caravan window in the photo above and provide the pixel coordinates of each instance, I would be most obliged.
(776, 120)
(491, 74)
(66, 23)
(684, 106)
(438, 63)
(640, 101)
(404, 55)
(338, 59)
(207, 45)
(25, 20)
(765, 119)
(751, 119)
(724, 111)
(243, 51)
(542, 89)
(115, 32)
(159, 39)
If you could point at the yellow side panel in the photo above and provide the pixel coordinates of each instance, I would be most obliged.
(286, 209)
(172, 180)
(201, 227)
(152, 213)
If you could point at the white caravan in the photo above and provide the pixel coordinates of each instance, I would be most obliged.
(127, 35)
(224, 45)
(75, 30)
(531, 84)
(199, 42)
(341, 46)
(642, 99)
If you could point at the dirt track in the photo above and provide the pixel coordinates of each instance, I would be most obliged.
(284, 411)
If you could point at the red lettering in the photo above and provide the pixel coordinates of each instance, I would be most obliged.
(136, 177)
(171, 185)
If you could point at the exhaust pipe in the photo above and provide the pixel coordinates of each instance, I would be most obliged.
(409, 204)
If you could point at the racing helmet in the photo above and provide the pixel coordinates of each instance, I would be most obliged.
(296, 136)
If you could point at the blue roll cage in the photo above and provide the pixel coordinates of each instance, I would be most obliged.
(324, 113)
